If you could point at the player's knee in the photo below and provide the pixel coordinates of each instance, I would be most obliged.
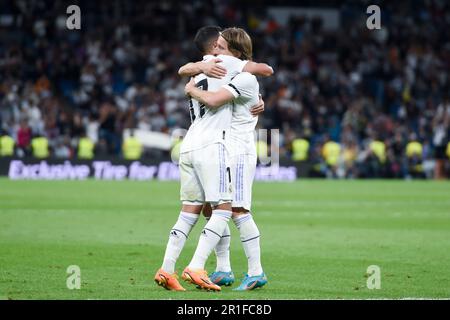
(189, 208)
(223, 206)
(237, 211)
(207, 210)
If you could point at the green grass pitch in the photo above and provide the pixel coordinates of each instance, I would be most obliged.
(318, 238)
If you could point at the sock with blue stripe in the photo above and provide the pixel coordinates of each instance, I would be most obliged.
(222, 251)
(177, 239)
(210, 237)
(249, 234)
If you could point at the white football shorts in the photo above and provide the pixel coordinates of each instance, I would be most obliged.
(243, 167)
(205, 175)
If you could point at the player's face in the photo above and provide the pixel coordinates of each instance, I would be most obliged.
(222, 47)
(215, 50)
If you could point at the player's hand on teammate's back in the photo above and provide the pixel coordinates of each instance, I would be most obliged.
(259, 108)
(189, 86)
(213, 70)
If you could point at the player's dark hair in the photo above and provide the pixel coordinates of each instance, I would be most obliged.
(205, 38)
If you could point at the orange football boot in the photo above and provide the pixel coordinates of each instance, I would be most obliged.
(168, 281)
(199, 278)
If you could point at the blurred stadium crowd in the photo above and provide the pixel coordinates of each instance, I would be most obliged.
(352, 101)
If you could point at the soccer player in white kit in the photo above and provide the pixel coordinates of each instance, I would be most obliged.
(205, 177)
(243, 92)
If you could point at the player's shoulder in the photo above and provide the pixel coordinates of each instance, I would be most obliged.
(245, 76)
(232, 61)
(225, 57)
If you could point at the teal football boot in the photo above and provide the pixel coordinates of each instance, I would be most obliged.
(250, 283)
(222, 278)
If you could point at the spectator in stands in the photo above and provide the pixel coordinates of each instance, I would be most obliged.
(62, 148)
(24, 136)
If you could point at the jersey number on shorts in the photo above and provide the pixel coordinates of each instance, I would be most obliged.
(202, 84)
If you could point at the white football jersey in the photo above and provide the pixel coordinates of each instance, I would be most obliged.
(211, 125)
(245, 89)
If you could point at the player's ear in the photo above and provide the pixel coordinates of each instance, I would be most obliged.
(215, 48)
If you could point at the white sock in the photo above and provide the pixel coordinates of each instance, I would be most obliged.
(222, 251)
(250, 241)
(177, 239)
(209, 238)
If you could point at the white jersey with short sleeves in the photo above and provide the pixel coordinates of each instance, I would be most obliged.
(245, 89)
(211, 125)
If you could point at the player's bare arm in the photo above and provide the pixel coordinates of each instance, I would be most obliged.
(258, 69)
(213, 99)
(216, 99)
(259, 108)
(213, 70)
(210, 68)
